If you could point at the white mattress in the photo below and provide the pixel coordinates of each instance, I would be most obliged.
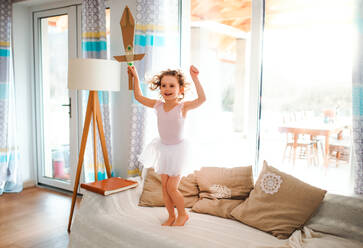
(117, 221)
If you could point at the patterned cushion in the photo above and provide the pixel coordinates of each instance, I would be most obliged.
(224, 183)
(279, 204)
(222, 189)
(339, 215)
(152, 194)
(217, 207)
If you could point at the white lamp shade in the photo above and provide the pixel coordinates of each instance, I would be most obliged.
(94, 74)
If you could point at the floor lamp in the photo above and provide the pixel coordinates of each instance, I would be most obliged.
(93, 75)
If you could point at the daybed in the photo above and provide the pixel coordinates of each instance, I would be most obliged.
(117, 221)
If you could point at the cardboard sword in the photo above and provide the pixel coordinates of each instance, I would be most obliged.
(127, 24)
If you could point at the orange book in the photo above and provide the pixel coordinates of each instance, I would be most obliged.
(109, 186)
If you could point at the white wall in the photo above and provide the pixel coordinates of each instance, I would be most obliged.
(23, 90)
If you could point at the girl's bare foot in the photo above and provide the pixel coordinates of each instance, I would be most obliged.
(181, 220)
(169, 222)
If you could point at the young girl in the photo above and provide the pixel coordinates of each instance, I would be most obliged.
(168, 153)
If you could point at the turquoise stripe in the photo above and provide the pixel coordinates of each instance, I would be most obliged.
(6, 158)
(357, 93)
(149, 40)
(4, 52)
(91, 177)
(360, 25)
(358, 17)
(4, 91)
(100, 176)
(94, 46)
(103, 97)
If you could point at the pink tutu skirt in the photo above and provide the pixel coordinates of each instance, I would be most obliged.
(173, 160)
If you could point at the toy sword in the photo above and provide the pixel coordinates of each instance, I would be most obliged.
(127, 24)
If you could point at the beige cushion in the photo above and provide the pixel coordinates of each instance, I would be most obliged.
(279, 204)
(222, 189)
(152, 195)
(217, 207)
(227, 183)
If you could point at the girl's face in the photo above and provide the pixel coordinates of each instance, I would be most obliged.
(169, 87)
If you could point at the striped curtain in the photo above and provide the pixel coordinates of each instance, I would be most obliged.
(357, 88)
(10, 179)
(156, 35)
(94, 45)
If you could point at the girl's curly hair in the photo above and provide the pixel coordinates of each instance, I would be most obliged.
(155, 82)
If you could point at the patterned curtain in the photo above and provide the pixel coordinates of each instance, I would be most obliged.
(156, 35)
(357, 88)
(94, 45)
(10, 179)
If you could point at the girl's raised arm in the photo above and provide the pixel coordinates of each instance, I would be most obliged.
(137, 91)
(200, 92)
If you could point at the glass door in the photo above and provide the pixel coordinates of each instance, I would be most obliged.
(306, 105)
(55, 41)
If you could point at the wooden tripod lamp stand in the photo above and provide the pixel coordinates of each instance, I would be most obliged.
(93, 75)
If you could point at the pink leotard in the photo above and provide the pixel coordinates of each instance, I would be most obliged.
(170, 124)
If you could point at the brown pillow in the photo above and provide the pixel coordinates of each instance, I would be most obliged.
(217, 207)
(227, 183)
(279, 204)
(152, 194)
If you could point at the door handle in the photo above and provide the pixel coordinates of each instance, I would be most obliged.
(70, 107)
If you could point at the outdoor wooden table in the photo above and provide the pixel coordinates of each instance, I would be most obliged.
(313, 130)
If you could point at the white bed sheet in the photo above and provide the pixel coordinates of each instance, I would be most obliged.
(117, 221)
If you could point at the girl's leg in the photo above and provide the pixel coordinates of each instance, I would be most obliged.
(178, 199)
(167, 200)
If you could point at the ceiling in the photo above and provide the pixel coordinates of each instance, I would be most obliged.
(34, 2)
(279, 14)
(235, 13)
